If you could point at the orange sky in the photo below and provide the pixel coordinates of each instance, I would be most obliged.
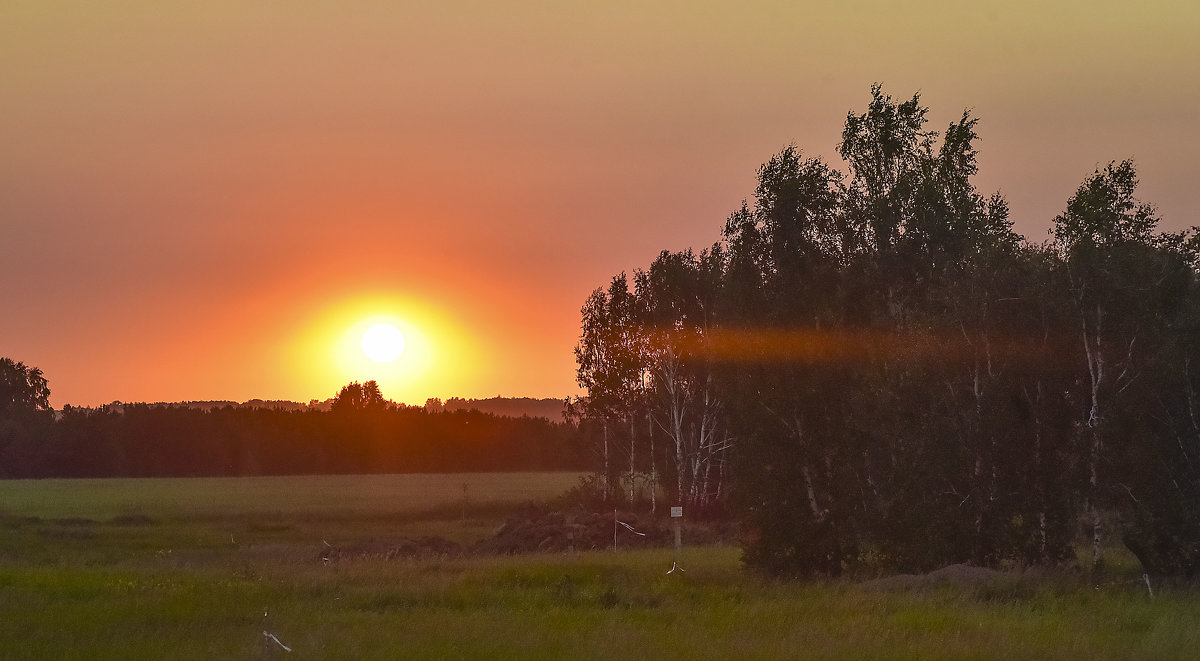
(197, 200)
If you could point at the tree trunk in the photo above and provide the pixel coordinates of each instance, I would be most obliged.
(653, 465)
(1095, 361)
(1092, 505)
(632, 463)
(1043, 545)
(818, 513)
(604, 475)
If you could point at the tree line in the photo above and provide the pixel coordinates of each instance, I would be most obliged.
(361, 433)
(873, 368)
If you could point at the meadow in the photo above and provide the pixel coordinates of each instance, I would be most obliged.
(200, 569)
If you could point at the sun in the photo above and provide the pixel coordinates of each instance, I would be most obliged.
(382, 343)
(412, 349)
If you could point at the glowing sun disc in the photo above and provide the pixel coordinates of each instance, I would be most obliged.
(383, 343)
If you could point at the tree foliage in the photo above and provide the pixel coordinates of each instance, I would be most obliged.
(902, 381)
(22, 388)
(357, 397)
(24, 416)
(364, 434)
(650, 387)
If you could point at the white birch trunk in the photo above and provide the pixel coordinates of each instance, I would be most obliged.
(604, 475)
(1095, 361)
(632, 463)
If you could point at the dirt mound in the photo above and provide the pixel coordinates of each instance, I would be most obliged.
(536, 530)
(950, 575)
(533, 530)
(394, 548)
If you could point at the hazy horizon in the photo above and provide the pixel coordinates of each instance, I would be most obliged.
(209, 202)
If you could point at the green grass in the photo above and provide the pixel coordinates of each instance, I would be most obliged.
(309, 495)
(173, 584)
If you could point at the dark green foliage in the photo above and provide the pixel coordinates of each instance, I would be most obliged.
(906, 384)
(1132, 295)
(643, 358)
(25, 417)
(22, 388)
(361, 435)
(358, 397)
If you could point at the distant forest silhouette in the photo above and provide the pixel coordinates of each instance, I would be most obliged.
(514, 407)
(356, 432)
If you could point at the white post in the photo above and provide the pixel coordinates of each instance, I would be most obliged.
(676, 519)
(614, 529)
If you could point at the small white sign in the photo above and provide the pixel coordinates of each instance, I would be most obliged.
(676, 512)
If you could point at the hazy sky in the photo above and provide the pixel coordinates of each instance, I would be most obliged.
(204, 200)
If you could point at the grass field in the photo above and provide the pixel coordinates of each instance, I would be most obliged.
(198, 574)
(287, 495)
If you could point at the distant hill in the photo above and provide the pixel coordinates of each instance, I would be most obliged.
(513, 407)
(208, 405)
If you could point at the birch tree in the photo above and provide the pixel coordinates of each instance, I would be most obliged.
(610, 369)
(676, 297)
(1104, 236)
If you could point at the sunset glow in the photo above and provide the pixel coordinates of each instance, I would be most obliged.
(199, 197)
(408, 347)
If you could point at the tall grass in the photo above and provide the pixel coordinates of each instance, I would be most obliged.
(597, 605)
(207, 588)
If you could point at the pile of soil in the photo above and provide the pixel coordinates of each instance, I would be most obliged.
(953, 575)
(394, 548)
(533, 530)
